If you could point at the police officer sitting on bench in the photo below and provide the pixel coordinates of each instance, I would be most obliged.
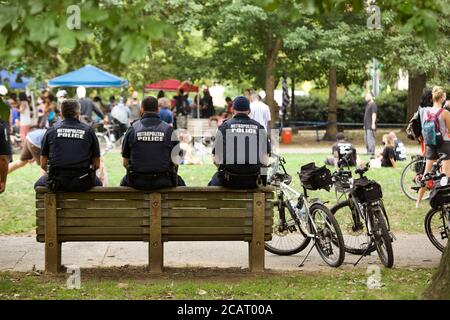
(241, 149)
(70, 153)
(147, 151)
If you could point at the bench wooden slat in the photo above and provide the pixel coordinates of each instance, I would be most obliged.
(98, 204)
(97, 213)
(182, 222)
(102, 196)
(206, 196)
(143, 237)
(121, 190)
(205, 204)
(206, 213)
(144, 223)
(98, 230)
(111, 222)
(210, 230)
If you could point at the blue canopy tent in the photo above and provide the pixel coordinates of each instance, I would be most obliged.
(14, 79)
(88, 76)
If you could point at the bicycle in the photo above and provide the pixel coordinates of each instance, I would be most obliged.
(362, 214)
(437, 220)
(306, 221)
(412, 175)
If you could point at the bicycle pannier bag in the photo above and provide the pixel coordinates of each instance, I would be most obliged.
(440, 196)
(315, 178)
(367, 190)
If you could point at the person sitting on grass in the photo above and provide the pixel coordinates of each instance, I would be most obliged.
(387, 156)
(340, 149)
(400, 150)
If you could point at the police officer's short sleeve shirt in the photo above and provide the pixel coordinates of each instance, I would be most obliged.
(241, 125)
(70, 144)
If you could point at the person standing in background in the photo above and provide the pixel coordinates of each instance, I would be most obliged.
(161, 94)
(121, 115)
(164, 111)
(207, 105)
(25, 116)
(135, 106)
(181, 109)
(5, 109)
(259, 111)
(5, 155)
(87, 106)
(370, 124)
(229, 105)
(5, 117)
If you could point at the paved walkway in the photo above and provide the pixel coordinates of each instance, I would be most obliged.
(23, 253)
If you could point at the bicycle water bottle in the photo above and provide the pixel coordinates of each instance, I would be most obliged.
(302, 213)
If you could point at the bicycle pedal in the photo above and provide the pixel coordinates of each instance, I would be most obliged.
(393, 237)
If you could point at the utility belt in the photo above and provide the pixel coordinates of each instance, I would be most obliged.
(70, 179)
(241, 180)
(144, 179)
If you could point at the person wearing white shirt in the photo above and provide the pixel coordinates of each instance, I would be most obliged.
(121, 115)
(259, 111)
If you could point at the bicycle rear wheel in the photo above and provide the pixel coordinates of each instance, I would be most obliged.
(437, 228)
(354, 232)
(383, 240)
(410, 178)
(329, 242)
(287, 239)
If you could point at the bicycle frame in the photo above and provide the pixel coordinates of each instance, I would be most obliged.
(286, 191)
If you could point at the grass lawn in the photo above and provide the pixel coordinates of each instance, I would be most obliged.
(195, 284)
(17, 208)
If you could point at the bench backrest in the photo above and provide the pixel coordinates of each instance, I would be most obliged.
(124, 214)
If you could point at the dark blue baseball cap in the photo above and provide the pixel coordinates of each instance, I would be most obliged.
(241, 104)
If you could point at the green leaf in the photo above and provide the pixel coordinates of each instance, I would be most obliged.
(134, 48)
(67, 39)
(36, 6)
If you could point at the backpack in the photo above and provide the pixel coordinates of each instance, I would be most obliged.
(414, 128)
(431, 133)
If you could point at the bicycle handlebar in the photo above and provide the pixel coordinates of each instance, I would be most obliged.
(434, 174)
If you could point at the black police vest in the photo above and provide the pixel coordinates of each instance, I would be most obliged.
(72, 146)
(151, 147)
(241, 145)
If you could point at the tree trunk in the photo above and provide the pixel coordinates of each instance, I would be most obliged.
(272, 48)
(332, 128)
(416, 84)
(440, 284)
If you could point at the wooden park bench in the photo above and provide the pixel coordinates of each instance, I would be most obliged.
(178, 214)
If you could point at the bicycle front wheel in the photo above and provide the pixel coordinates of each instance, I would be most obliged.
(437, 228)
(329, 241)
(383, 240)
(356, 238)
(410, 179)
(287, 238)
